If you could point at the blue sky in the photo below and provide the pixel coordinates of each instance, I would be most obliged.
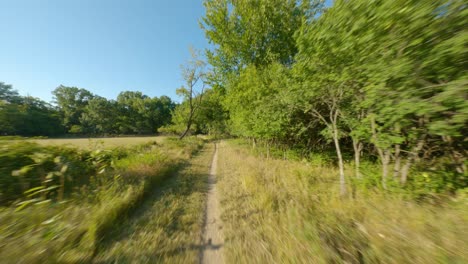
(104, 46)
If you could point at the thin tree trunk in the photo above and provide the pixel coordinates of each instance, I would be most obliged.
(405, 170)
(189, 124)
(383, 154)
(340, 161)
(409, 162)
(385, 163)
(357, 146)
(396, 168)
(268, 149)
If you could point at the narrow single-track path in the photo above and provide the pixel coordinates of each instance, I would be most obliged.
(212, 250)
(167, 226)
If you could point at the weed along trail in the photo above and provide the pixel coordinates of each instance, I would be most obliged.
(212, 250)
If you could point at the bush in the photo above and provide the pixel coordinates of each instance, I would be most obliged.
(27, 165)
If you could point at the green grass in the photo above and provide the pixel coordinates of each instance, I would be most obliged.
(82, 228)
(148, 207)
(167, 227)
(279, 211)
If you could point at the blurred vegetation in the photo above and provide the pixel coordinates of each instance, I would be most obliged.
(59, 204)
(286, 211)
(382, 81)
(356, 116)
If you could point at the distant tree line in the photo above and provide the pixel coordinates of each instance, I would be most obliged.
(380, 79)
(80, 112)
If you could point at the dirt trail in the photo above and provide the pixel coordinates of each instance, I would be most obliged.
(212, 250)
(167, 226)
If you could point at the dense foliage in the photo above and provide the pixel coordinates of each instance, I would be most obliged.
(378, 81)
(80, 112)
(26, 115)
(375, 79)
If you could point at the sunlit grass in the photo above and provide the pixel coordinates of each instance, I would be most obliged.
(167, 227)
(92, 143)
(88, 225)
(278, 211)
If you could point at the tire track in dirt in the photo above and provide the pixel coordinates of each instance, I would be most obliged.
(212, 238)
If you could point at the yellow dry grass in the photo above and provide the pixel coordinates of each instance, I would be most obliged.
(92, 143)
(279, 211)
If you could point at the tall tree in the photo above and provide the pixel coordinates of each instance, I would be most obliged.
(26, 115)
(193, 73)
(7, 93)
(99, 116)
(71, 102)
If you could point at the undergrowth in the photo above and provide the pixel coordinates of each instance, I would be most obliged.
(282, 211)
(103, 188)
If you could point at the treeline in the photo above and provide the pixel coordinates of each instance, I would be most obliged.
(79, 112)
(385, 80)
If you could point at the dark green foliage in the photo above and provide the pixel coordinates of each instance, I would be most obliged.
(141, 114)
(26, 165)
(71, 101)
(80, 112)
(26, 115)
(210, 118)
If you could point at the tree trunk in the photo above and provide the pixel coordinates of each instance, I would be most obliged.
(385, 163)
(383, 154)
(340, 161)
(396, 168)
(405, 170)
(357, 146)
(411, 158)
(189, 124)
(268, 149)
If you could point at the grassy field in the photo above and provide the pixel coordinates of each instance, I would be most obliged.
(280, 211)
(147, 204)
(167, 226)
(93, 143)
(144, 203)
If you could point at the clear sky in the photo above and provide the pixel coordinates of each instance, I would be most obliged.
(104, 46)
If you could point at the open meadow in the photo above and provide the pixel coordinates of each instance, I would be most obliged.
(149, 202)
(93, 143)
(62, 203)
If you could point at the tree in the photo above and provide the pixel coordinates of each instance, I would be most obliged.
(162, 111)
(99, 116)
(26, 115)
(210, 119)
(193, 74)
(7, 93)
(71, 102)
(254, 47)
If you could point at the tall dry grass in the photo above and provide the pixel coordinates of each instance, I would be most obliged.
(279, 211)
